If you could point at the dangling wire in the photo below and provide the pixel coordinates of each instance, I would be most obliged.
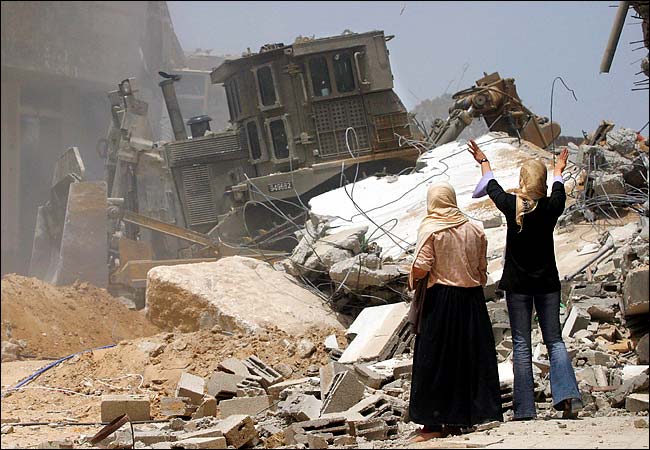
(552, 90)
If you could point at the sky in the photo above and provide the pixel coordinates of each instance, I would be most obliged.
(532, 42)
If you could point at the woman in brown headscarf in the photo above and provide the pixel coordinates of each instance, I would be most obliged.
(530, 277)
(455, 382)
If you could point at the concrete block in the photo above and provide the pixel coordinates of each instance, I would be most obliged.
(244, 405)
(176, 407)
(636, 296)
(152, 437)
(267, 373)
(275, 389)
(345, 391)
(578, 320)
(238, 430)
(192, 387)
(374, 429)
(234, 366)
(327, 374)
(204, 433)
(300, 407)
(201, 442)
(379, 405)
(222, 385)
(374, 329)
(370, 377)
(636, 403)
(137, 407)
(335, 427)
(207, 408)
(403, 368)
(316, 441)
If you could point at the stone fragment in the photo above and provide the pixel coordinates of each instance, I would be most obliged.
(238, 430)
(207, 408)
(137, 407)
(201, 442)
(578, 320)
(222, 385)
(636, 403)
(636, 296)
(405, 367)
(306, 348)
(370, 377)
(493, 222)
(345, 391)
(244, 405)
(234, 366)
(331, 342)
(300, 407)
(275, 389)
(642, 349)
(192, 387)
(152, 437)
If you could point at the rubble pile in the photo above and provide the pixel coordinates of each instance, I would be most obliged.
(44, 321)
(345, 266)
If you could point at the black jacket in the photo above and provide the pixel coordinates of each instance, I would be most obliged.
(530, 266)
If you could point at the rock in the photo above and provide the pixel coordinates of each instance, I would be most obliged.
(605, 184)
(284, 369)
(493, 222)
(240, 294)
(10, 351)
(306, 348)
(578, 320)
(641, 423)
(6, 429)
(636, 403)
(622, 141)
(356, 276)
(636, 298)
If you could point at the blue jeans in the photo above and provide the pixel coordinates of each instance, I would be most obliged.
(563, 378)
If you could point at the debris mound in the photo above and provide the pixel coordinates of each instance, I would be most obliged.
(48, 321)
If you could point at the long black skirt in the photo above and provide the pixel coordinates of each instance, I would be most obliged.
(455, 377)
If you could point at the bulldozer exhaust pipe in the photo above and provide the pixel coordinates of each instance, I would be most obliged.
(173, 108)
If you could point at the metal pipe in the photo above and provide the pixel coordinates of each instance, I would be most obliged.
(614, 36)
(174, 110)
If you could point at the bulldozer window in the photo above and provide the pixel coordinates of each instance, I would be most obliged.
(253, 141)
(279, 139)
(320, 77)
(343, 72)
(265, 83)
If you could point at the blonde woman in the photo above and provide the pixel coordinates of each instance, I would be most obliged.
(530, 277)
(455, 381)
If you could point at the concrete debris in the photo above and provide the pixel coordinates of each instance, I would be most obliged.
(223, 386)
(300, 407)
(636, 403)
(622, 140)
(238, 430)
(305, 348)
(578, 319)
(344, 391)
(177, 407)
(237, 293)
(636, 296)
(137, 407)
(329, 429)
(377, 333)
(244, 405)
(192, 387)
(200, 442)
(266, 374)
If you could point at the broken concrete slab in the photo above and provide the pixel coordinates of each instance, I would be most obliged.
(344, 391)
(223, 386)
(192, 387)
(234, 366)
(237, 293)
(244, 405)
(201, 442)
(238, 430)
(636, 403)
(152, 437)
(355, 275)
(636, 293)
(331, 342)
(374, 329)
(371, 378)
(137, 407)
(642, 349)
(275, 389)
(327, 373)
(207, 432)
(207, 408)
(578, 319)
(300, 407)
(405, 367)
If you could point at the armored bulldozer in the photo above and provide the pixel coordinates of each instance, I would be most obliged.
(304, 118)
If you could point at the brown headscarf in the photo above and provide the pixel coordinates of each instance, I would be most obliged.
(532, 187)
(442, 213)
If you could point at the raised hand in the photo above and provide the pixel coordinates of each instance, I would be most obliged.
(560, 163)
(476, 152)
